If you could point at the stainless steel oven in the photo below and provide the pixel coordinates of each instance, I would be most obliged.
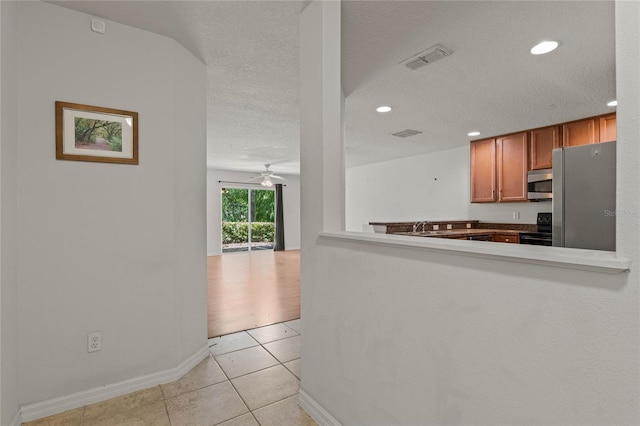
(543, 236)
(540, 184)
(536, 238)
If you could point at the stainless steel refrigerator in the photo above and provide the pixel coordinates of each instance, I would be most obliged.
(584, 197)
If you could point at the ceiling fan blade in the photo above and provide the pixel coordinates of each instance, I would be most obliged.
(254, 178)
(277, 177)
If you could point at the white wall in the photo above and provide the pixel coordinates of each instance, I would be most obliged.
(190, 109)
(433, 186)
(290, 199)
(401, 336)
(9, 405)
(114, 248)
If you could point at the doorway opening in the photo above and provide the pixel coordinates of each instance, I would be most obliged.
(248, 219)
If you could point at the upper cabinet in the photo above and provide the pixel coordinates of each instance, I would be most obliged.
(512, 167)
(483, 171)
(499, 169)
(608, 128)
(581, 132)
(542, 143)
(589, 130)
(499, 165)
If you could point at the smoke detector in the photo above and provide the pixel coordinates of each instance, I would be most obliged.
(406, 133)
(426, 57)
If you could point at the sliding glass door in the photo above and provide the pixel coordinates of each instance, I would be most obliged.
(247, 219)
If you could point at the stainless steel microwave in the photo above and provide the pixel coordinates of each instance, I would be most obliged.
(540, 184)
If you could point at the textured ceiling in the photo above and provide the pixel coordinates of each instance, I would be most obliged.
(251, 52)
(490, 83)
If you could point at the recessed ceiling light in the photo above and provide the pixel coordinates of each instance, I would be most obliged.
(473, 134)
(383, 108)
(612, 103)
(544, 47)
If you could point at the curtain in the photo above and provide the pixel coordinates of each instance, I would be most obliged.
(279, 240)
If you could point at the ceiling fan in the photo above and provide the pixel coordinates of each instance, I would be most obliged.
(266, 177)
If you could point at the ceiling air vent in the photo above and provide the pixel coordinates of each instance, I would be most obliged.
(430, 55)
(406, 133)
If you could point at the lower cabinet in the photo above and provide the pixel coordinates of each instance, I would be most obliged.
(502, 238)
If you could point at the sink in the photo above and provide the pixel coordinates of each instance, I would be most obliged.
(418, 234)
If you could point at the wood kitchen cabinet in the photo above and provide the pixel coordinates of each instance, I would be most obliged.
(608, 128)
(500, 238)
(581, 132)
(512, 167)
(483, 171)
(499, 169)
(542, 142)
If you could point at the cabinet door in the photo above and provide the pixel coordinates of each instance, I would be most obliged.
(483, 171)
(542, 143)
(499, 238)
(608, 128)
(512, 167)
(581, 132)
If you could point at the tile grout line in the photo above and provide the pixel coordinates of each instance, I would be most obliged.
(84, 409)
(255, 328)
(166, 409)
(164, 398)
(262, 369)
(236, 391)
(280, 363)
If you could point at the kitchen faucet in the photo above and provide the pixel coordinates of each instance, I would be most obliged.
(417, 225)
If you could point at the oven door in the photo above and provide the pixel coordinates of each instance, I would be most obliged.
(536, 239)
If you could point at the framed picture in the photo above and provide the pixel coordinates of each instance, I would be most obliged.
(91, 133)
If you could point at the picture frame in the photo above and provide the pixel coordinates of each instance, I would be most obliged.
(97, 134)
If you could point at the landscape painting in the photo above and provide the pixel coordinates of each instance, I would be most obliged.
(98, 134)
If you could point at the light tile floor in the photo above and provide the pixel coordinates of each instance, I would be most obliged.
(250, 378)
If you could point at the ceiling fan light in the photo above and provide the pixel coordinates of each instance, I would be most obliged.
(266, 182)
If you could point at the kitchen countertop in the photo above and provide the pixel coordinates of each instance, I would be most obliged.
(561, 257)
(455, 233)
(450, 227)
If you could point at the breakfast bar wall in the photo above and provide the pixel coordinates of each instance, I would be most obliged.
(468, 339)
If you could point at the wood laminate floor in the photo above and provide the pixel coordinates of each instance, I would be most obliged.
(252, 289)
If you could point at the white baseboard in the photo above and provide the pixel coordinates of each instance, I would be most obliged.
(16, 420)
(102, 393)
(315, 410)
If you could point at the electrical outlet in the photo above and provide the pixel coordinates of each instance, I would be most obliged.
(436, 227)
(94, 341)
(449, 226)
(516, 215)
